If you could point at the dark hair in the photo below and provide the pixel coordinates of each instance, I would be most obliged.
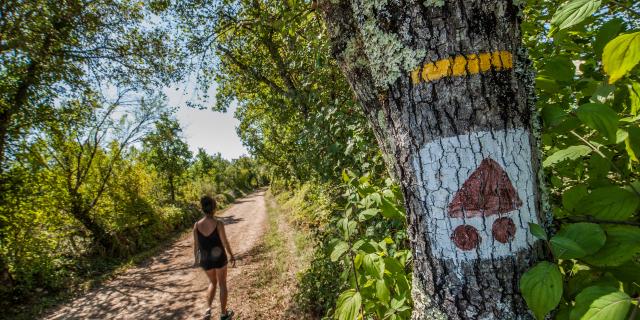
(208, 204)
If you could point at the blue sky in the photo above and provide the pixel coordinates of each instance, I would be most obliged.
(213, 131)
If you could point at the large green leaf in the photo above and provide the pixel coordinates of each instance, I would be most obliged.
(338, 250)
(390, 211)
(393, 265)
(559, 68)
(368, 214)
(374, 265)
(601, 303)
(348, 305)
(632, 143)
(601, 118)
(573, 12)
(573, 196)
(552, 115)
(541, 288)
(537, 231)
(620, 55)
(622, 245)
(610, 203)
(570, 153)
(606, 33)
(577, 240)
(382, 292)
(634, 97)
(564, 248)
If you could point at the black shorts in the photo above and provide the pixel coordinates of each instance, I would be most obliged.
(213, 259)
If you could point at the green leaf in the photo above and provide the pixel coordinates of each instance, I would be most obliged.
(338, 250)
(393, 265)
(634, 97)
(571, 197)
(552, 115)
(541, 287)
(404, 288)
(365, 245)
(564, 248)
(609, 203)
(345, 176)
(375, 198)
(598, 169)
(572, 153)
(632, 143)
(374, 265)
(577, 240)
(390, 211)
(606, 33)
(620, 55)
(348, 305)
(622, 245)
(573, 12)
(537, 231)
(601, 303)
(559, 68)
(382, 292)
(601, 118)
(347, 227)
(368, 214)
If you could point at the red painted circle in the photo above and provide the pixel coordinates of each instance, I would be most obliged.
(465, 237)
(504, 230)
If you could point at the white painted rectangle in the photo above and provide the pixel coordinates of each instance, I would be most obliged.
(444, 165)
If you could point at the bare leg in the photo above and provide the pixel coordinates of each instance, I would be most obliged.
(211, 291)
(222, 281)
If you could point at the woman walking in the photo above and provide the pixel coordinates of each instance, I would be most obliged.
(209, 244)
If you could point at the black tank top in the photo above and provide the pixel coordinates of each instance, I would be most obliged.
(211, 250)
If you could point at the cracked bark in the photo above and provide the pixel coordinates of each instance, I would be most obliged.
(410, 120)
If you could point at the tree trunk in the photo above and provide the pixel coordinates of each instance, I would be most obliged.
(447, 88)
(172, 190)
(100, 237)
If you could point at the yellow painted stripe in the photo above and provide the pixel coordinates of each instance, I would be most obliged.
(462, 65)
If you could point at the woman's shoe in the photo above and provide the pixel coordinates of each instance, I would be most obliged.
(207, 315)
(227, 316)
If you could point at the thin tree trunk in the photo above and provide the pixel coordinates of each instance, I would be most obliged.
(172, 190)
(447, 88)
(100, 237)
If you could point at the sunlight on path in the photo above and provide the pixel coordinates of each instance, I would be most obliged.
(167, 286)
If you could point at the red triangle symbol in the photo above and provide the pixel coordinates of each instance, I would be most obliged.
(486, 192)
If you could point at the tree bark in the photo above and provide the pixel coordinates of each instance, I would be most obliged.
(172, 190)
(448, 90)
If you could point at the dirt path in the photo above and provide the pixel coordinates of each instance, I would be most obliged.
(167, 286)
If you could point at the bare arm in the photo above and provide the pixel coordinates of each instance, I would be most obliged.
(225, 242)
(195, 243)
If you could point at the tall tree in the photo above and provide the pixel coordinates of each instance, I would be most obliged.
(81, 145)
(294, 106)
(448, 90)
(55, 49)
(167, 152)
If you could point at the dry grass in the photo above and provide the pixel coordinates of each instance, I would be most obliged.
(270, 282)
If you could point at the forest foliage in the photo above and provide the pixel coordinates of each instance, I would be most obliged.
(94, 167)
(76, 172)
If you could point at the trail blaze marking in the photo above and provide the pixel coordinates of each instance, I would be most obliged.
(465, 237)
(488, 191)
(504, 230)
(461, 65)
(479, 192)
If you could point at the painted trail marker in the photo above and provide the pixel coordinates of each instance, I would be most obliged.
(479, 191)
(488, 191)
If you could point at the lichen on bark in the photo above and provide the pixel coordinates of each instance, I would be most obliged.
(388, 57)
